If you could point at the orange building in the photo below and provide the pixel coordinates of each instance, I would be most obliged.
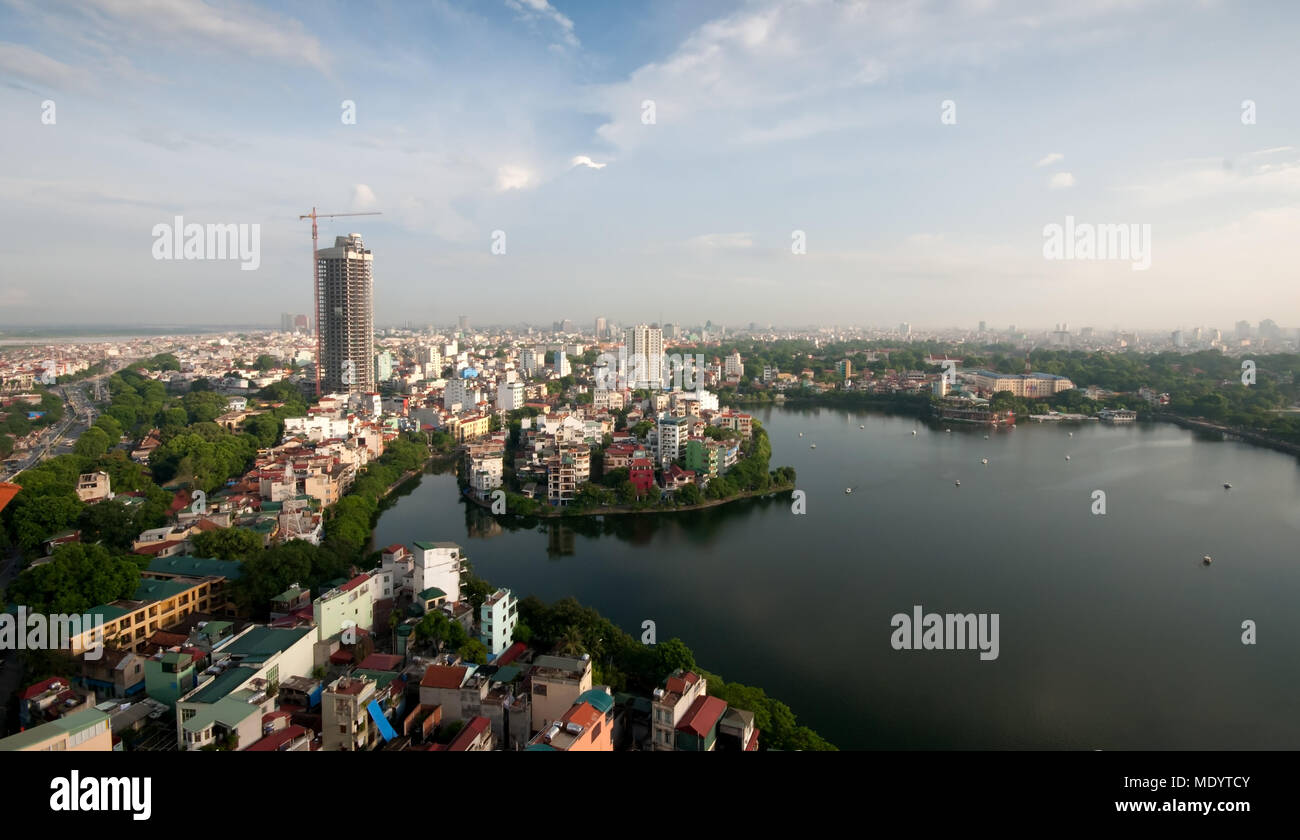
(588, 726)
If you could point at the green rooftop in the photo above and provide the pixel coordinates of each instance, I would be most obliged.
(73, 723)
(262, 642)
(290, 594)
(506, 673)
(229, 711)
(196, 567)
(432, 592)
(103, 614)
(151, 589)
(221, 685)
(597, 698)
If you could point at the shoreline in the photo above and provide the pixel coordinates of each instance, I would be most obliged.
(1249, 436)
(622, 510)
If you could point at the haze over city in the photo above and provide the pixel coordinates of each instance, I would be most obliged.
(769, 118)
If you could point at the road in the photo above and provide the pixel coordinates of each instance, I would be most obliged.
(79, 414)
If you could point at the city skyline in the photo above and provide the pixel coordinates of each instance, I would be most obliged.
(916, 158)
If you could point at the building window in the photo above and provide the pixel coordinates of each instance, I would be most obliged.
(539, 689)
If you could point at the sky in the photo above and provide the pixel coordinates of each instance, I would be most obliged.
(656, 161)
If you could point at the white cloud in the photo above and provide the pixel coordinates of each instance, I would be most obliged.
(363, 198)
(1061, 181)
(723, 241)
(1050, 159)
(512, 177)
(26, 63)
(534, 9)
(1210, 178)
(583, 160)
(195, 24)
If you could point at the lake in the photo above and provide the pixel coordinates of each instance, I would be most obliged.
(1112, 632)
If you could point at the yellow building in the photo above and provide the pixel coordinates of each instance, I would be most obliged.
(473, 427)
(157, 604)
(85, 731)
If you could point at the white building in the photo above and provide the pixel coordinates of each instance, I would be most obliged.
(497, 619)
(510, 396)
(436, 564)
(645, 355)
(317, 427)
(561, 366)
(462, 393)
(732, 366)
(351, 605)
(485, 474)
(671, 441)
(533, 361)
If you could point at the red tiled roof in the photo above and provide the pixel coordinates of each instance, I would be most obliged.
(273, 742)
(584, 714)
(154, 548)
(512, 653)
(472, 730)
(395, 548)
(382, 662)
(37, 689)
(354, 583)
(703, 715)
(444, 676)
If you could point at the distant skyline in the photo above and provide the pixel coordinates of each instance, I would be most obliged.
(771, 117)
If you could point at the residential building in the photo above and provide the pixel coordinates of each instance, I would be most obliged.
(476, 736)
(556, 683)
(497, 619)
(671, 704)
(644, 349)
(672, 440)
(351, 605)
(85, 731)
(345, 316)
(510, 395)
(94, 487)
(588, 726)
(733, 367)
(346, 715)
(1028, 385)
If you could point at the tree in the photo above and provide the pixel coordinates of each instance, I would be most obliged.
(76, 579)
(473, 651)
(110, 426)
(265, 362)
(112, 523)
(690, 495)
(93, 443)
(203, 406)
(674, 655)
(227, 543)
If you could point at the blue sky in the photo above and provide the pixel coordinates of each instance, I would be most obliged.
(770, 117)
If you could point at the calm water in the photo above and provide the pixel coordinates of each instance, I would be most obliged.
(1112, 633)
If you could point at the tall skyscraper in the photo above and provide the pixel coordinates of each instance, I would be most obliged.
(463, 323)
(346, 316)
(602, 327)
(645, 356)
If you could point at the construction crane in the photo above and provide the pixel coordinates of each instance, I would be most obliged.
(315, 278)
